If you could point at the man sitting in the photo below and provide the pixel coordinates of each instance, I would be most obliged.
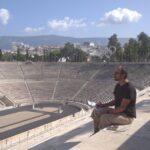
(124, 102)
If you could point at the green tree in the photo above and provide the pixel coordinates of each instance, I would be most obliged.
(1, 55)
(96, 59)
(54, 56)
(112, 41)
(144, 46)
(115, 46)
(131, 50)
(73, 54)
(18, 54)
(67, 50)
(27, 54)
(7, 56)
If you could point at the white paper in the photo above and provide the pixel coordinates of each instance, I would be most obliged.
(91, 103)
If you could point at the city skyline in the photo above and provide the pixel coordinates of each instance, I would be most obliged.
(74, 18)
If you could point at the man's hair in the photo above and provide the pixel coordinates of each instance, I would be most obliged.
(123, 71)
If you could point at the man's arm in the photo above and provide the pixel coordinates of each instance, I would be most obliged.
(111, 103)
(121, 108)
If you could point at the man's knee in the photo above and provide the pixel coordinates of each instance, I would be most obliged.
(104, 121)
(97, 112)
(116, 119)
(94, 113)
(105, 117)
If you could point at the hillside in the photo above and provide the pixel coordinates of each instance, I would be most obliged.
(6, 41)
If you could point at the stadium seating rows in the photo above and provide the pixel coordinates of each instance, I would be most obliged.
(24, 82)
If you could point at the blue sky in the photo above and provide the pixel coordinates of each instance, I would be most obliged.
(76, 18)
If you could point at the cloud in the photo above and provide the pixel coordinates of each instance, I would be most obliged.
(120, 16)
(4, 16)
(66, 23)
(33, 30)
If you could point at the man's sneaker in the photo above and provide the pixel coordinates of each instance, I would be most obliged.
(113, 127)
(95, 131)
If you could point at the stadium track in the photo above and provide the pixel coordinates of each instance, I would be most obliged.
(21, 119)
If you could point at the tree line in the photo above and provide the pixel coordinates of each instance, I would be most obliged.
(69, 52)
(135, 50)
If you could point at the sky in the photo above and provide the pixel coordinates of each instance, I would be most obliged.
(74, 18)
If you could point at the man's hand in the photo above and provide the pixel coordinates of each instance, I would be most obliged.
(99, 104)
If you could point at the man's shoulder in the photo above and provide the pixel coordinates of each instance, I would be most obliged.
(131, 87)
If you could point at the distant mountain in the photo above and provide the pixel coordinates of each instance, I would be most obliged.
(6, 41)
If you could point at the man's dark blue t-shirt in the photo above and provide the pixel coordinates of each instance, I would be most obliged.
(126, 91)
